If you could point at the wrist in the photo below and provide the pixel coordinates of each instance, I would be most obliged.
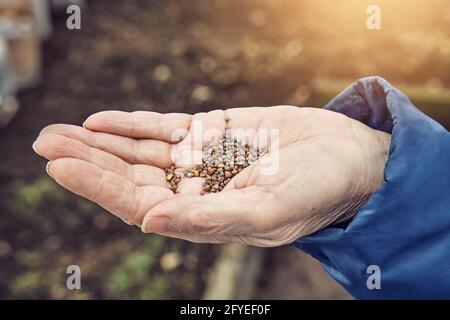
(374, 147)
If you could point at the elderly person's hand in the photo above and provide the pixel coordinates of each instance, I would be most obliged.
(323, 167)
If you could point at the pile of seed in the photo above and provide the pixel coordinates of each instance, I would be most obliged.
(221, 161)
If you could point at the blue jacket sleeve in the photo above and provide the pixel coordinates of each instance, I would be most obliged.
(404, 228)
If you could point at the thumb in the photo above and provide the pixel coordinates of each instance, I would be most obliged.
(215, 217)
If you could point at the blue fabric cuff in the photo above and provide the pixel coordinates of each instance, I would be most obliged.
(404, 228)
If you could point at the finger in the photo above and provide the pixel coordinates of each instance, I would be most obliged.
(111, 191)
(266, 127)
(170, 127)
(55, 146)
(153, 152)
(191, 186)
(205, 127)
(220, 217)
(244, 124)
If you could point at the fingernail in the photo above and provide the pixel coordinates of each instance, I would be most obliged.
(34, 147)
(156, 224)
(127, 222)
(47, 168)
(85, 122)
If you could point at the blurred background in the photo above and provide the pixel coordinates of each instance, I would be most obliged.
(181, 56)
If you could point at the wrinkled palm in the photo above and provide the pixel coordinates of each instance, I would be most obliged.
(320, 167)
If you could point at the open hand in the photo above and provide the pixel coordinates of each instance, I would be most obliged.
(326, 166)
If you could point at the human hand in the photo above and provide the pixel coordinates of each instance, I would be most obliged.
(327, 167)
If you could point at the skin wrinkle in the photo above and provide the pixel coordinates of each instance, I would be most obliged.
(162, 125)
(259, 221)
(198, 222)
(339, 211)
(93, 139)
(278, 230)
(227, 230)
(370, 182)
(353, 207)
(131, 173)
(365, 166)
(140, 156)
(100, 184)
(206, 224)
(139, 194)
(260, 224)
(306, 170)
(292, 234)
(136, 205)
(286, 234)
(136, 146)
(172, 149)
(141, 210)
(124, 166)
(333, 212)
(250, 172)
(121, 199)
(132, 125)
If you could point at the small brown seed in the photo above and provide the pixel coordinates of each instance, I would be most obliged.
(222, 160)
